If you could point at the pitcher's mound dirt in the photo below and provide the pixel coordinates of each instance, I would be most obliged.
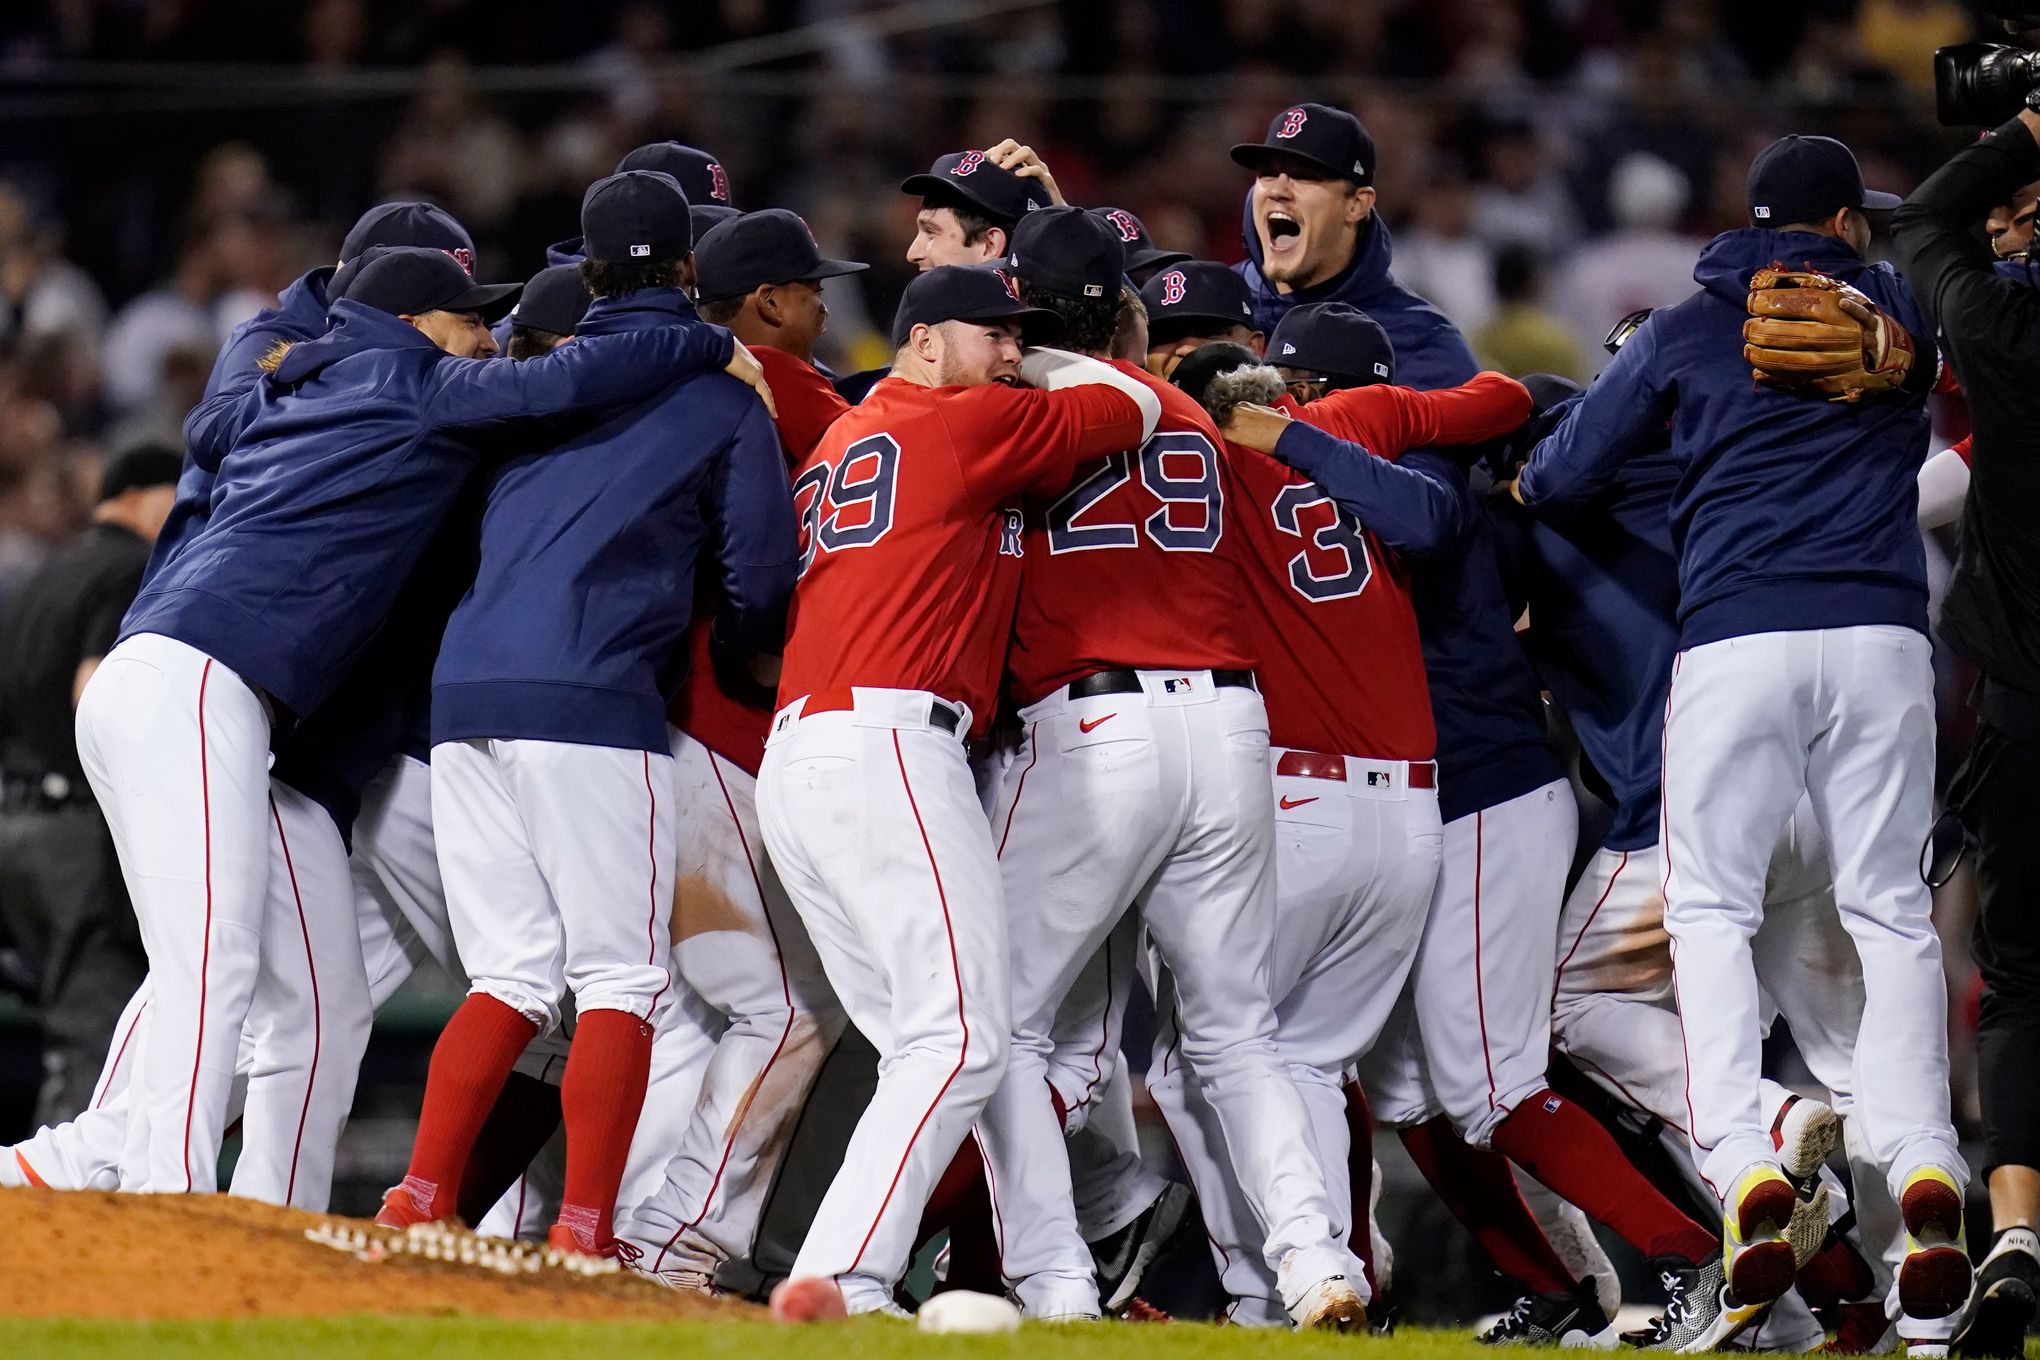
(84, 1254)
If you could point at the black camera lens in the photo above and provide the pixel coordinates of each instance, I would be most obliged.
(1982, 83)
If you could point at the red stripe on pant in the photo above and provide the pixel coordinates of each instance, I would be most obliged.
(311, 968)
(205, 952)
(956, 972)
(652, 916)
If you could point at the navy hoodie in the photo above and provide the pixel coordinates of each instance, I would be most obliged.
(1484, 696)
(216, 422)
(1791, 513)
(574, 629)
(1602, 585)
(360, 443)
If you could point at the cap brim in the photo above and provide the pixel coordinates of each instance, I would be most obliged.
(1152, 258)
(936, 186)
(1876, 200)
(830, 269)
(492, 300)
(1251, 154)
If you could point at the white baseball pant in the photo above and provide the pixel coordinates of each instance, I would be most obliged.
(557, 860)
(1356, 859)
(1845, 717)
(1472, 1036)
(740, 945)
(871, 818)
(1156, 801)
(176, 747)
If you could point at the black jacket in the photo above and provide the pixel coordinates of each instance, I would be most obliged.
(1990, 333)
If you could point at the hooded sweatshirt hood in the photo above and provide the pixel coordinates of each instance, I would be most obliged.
(1728, 261)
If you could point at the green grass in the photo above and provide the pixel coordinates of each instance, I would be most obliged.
(383, 1338)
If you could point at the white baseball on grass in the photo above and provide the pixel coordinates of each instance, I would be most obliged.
(960, 1310)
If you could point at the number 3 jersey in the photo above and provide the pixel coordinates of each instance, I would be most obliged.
(910, 557)
(1133, 563)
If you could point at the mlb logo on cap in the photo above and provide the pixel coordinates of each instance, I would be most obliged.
(1381, 370)
(640, 252)
(1760, 212)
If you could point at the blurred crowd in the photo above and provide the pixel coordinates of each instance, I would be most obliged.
(1547, 165)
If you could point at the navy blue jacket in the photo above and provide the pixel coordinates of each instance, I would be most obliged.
(1484, 696)
(1602, 585)
(213, 425)
(1791, 513)
(574, 629)
(359, 444)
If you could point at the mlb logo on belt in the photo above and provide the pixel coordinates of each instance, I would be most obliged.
(1380, 779)
(785, 721)
(1176, 685)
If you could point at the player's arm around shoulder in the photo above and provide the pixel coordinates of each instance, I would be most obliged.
(751, 510)
(1621, 414)
(594, 371)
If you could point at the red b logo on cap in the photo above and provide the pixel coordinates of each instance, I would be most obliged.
(971, 161)
(1012, 284)
(1129, 230)
(1292, 123)
(1172, 287)
(718, 182)
(465, 258)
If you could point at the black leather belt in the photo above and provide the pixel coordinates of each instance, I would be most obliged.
(1128, 682)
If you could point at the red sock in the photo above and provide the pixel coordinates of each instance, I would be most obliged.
(1360, 1171)
(961, 1205)
(525, 1116)
(1481, 1193)
(601, 1095)
(1837, 1275)
(1567, 1149)
(470, 1063)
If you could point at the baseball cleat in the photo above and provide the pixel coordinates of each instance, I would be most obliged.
(1701, 1312)
(578, 1240)
(1807, 1231)
(2003, 1301)
(405, 1204)
(1861, 1330)
(1804, 1135)
(1139, 1309)
(1756, 1257)
(1331, 1305)
(1122, 1259)
(1571, 1319)
(1935, 1278)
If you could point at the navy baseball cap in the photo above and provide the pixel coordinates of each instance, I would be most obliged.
(700, 175)
(554, 300)
(1068, 252)
(706, 217)
(636, 215)
(1809, 179)
(410, 280)
(968, 175)
(1198, 297)
(1336, 339)
(771, 245)
(1141, 250)
(955, 292)
(409, 224)
(1329, 138)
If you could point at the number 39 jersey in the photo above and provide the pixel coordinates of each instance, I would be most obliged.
(1341, 666)
(910, 556)
(1134, 562)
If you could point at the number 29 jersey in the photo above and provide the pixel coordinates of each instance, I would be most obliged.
(910, 555)
(1132, 563)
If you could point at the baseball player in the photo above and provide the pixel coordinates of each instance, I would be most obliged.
(1804, 670)
(739, 943)
(551, 789)
(1510, 822)
(969, 205)
(866, 800)
(238, 628)
(1357, 835)
(1163, 738)
(1193, 304)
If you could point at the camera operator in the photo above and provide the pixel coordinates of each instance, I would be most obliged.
(1989, 326)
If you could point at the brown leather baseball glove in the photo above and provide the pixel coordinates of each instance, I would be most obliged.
(1810, 333)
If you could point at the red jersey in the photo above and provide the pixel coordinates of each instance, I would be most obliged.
(808, 404)
(1132, 565)
(1340, 665)
(909, 556)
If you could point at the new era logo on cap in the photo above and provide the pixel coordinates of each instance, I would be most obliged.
(1288, 349)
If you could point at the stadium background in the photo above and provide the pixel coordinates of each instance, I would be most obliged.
(1546, 166)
